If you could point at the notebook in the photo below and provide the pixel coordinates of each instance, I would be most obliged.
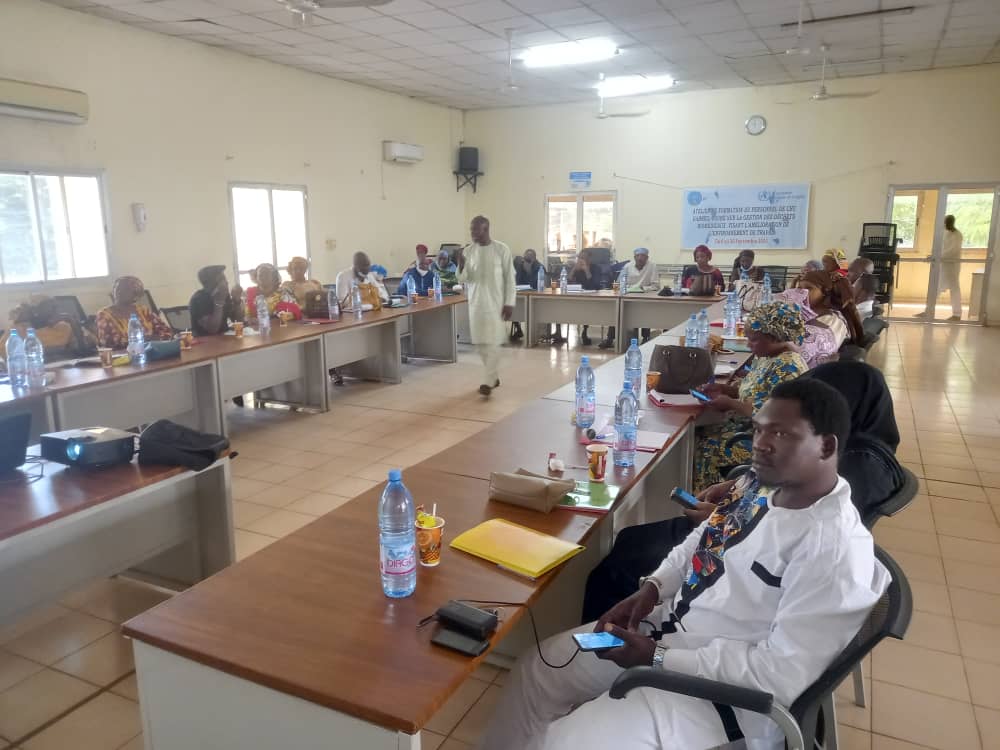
(590, 497)
(516, 548)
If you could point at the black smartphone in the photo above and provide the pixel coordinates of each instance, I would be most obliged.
(684, 498)
(700, 396)
(597, 641)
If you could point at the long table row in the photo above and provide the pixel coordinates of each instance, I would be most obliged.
(298, 641)
(193, 388)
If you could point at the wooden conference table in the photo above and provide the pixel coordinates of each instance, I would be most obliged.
(297, 645)
(192, 389)
(72, 526)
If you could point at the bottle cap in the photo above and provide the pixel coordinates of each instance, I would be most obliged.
(584, 360)
(635, 342)
(395, 475)
(30, 331)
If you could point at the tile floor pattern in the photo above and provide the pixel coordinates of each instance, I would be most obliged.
(66, 676)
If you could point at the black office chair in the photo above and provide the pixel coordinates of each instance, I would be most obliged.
(69, 305)
(810, 722)
(178, 317)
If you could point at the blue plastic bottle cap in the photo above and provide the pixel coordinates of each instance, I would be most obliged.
(635, 342)
(693, 316)
(627, 386)
(584, 360)
(30, 331)
(395, 475)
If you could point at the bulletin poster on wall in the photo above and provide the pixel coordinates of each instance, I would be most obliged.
(752, 217)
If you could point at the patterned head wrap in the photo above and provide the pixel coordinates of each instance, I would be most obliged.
(126, 290)
(779, 320)
(703, 249)
(837, 254)
(267, 275)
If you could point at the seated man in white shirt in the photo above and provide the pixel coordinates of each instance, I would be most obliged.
(361, 271)
(764, 595)
(642, 276)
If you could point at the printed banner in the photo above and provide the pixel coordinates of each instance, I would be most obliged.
(751, 217)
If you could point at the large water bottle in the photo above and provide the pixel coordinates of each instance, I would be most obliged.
(263, 314)
(633, 367)
(332, 305)
(540, 283)
(411, 288)
(563, 281)
(626, 426)
(397, 538)
(731, 316)
(622, 282)
(436, 286)
(691, 332)
(678, 284)
(704, 326)
(34, 353)
(765, 297)
(356, 299)
(586, 394)
(136, 341)
(17, 362)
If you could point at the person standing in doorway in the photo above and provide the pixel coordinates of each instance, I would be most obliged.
(951, 256)
(486, 268)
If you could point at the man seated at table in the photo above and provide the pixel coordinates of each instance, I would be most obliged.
(214, 306)
(446, 269)
(422, 275)
(361, 272)
(526, 270)
(421, 254)
(861, 274)
(763, 594)
(642, 276)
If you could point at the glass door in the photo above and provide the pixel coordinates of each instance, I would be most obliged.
(943, 274)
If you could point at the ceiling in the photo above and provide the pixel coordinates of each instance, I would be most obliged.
(454, 52)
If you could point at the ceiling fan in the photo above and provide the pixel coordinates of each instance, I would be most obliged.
(509, 86)
(821, 94)
(603, 114)
(797, 49)
(302, 9)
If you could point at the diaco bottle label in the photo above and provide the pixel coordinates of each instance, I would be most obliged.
(398, 561)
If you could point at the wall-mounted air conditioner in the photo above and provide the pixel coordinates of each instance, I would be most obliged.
(408, 153)
(38, 102)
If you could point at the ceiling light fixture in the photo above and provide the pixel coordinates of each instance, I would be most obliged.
(632, 85)
(570, 53)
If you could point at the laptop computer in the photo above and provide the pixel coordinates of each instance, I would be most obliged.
(14, 433)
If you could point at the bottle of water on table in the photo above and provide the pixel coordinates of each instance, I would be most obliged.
(586, 394)
(436, 286)
(626, 426)
(678, 284)
(563, 281)
(356, 299)
(34, 353)
(732, 315)
(411, 288)
(540, 282)
(633, 367)
(704, 326)
(17, 361)
(691, 332)
(622, 282)
(332, 304)
(766, 294)
(136, 341)
(263, 314)
(397, 538)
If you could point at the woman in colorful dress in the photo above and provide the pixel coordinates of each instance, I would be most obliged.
(278, 298)
(830, 304)
(773, 333)
(702, 278)
(112, 321)
(299, 286)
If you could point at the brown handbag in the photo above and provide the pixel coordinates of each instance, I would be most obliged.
(681, 368)
(369, 295)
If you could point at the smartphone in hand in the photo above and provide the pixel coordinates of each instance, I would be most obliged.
(683, 498)
(700, 396)
(597, 641)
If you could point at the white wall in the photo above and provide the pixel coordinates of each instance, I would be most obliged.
(936, 126)
(173, 122)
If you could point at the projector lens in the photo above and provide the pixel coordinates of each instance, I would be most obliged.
(73, 451)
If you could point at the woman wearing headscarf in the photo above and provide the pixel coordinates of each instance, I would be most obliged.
(278, 299)
(112, 321)
(773, 332)
(835, 261)
(702, 278)
(299, 286)
(828, 303)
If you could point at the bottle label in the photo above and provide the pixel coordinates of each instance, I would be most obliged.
(399, 560)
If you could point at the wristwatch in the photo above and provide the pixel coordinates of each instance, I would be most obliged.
(658, 655)
(656, 584)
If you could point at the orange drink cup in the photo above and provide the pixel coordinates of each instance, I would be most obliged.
(105, 353)
(283, 317)
(555, 285)
(652, 380)
(186, 338)
(238, 329)
(429, 542)
(597, 461)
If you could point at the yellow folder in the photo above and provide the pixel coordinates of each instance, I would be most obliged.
(516, 548)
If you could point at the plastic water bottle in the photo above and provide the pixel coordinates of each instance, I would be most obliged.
(622, 282)
(731, 316)
(633, 367)
(626, 426)
(691, 332)
(678, 284)
(411, 288)
(397, 538)
(263, 314)
(136, 341)
(17, 361)
(356, 299)
(540, 283)
(765, 297)
(34, 353)
(563, 281)
(436, 286)
(332, 305)
(703, 328)
(586, 394)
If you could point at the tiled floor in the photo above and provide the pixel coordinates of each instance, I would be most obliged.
(66, 676)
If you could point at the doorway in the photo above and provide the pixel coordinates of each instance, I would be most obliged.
(925, 266)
